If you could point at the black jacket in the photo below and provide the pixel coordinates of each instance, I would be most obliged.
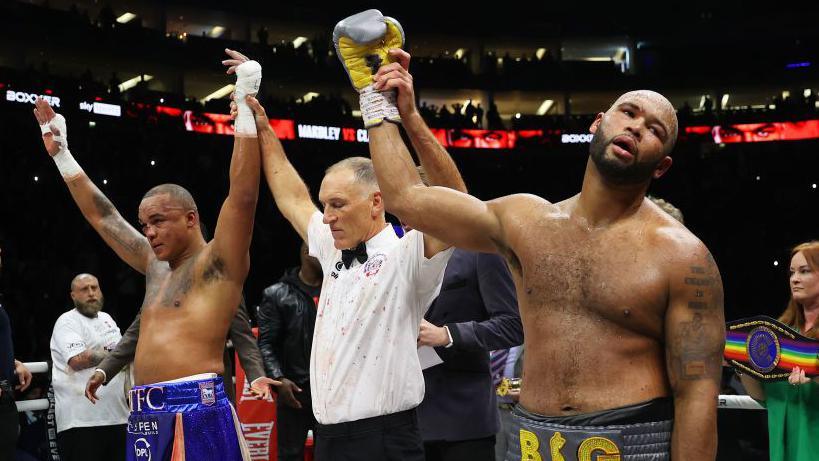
(287, 318)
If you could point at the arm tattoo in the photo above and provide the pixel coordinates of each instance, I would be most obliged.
(118, 231)
(114, 226)
(104, 206)
(698, 343)
(89, 358)
(696, 353)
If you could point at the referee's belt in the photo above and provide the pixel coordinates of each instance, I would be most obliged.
(768, 349)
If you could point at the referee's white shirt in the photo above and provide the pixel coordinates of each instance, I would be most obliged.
(364, 360)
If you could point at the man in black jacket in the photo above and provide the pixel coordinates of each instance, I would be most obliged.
(287, 317)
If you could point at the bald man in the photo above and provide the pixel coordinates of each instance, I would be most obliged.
(82, 337)
(622, 306)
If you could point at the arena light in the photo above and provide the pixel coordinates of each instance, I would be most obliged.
(125, 18)
(132, 82)
(217, 31)
(545, 106)
(724, 103)
(309, 96)
(806, 93)
(459, 53)
(540, 53)
(463, 107)
(220, 93)
(299, 41)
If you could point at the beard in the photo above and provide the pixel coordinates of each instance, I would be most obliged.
(614, 170)
(90, 309)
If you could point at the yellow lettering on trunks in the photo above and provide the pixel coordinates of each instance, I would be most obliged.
(592, 444)
(528, 446)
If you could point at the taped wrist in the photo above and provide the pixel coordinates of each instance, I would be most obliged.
(248, 80)
(377, 106)
(68, 167)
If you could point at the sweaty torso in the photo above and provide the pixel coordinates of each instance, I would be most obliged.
(593, 302)
(185, 318)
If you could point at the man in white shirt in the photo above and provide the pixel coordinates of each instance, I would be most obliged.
(82, 337)
(365, 373)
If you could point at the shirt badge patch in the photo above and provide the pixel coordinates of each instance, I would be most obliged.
(373, 265)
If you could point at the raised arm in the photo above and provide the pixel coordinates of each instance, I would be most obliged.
(131, 246)
(289, 191)
(234, 227)
(695, 339)
(438, 164)
(454, 217)
(362, 41)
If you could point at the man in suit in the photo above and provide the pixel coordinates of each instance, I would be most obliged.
(475, 313)
(239, 334)
(509, 363)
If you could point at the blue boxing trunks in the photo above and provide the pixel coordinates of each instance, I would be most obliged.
(640, 432)
(189, 419)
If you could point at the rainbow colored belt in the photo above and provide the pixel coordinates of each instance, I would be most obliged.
(768, 349)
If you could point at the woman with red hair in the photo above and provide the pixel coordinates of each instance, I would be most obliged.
(793, 406)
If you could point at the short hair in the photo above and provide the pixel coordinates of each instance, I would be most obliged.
(83, 275)
(668, 208)
(362, 168)
(176, 192)
(664, 105)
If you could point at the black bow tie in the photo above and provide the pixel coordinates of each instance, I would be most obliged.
(359, 253)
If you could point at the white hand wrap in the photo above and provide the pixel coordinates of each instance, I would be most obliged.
(377, 106)
(69, 168)
(248, 79)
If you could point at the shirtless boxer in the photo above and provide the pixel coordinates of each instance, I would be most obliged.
(192, 290)
(622, 306)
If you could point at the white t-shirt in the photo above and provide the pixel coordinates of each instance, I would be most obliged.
(73, 334)
(364, 360)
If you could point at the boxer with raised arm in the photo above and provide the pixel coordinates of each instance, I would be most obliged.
(622, 306)
(192, 290)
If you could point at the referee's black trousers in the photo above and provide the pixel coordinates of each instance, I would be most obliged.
(393, 437)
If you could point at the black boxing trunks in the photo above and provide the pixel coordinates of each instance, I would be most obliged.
(640, 432)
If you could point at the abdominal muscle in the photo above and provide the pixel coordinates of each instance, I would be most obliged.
(178, 342)
(576, 375)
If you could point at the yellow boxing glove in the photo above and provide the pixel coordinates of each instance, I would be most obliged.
(362, 44)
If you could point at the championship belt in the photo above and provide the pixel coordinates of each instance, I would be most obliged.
(507, 385)
(768, 349)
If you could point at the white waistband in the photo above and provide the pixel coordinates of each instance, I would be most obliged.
(198, 377)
